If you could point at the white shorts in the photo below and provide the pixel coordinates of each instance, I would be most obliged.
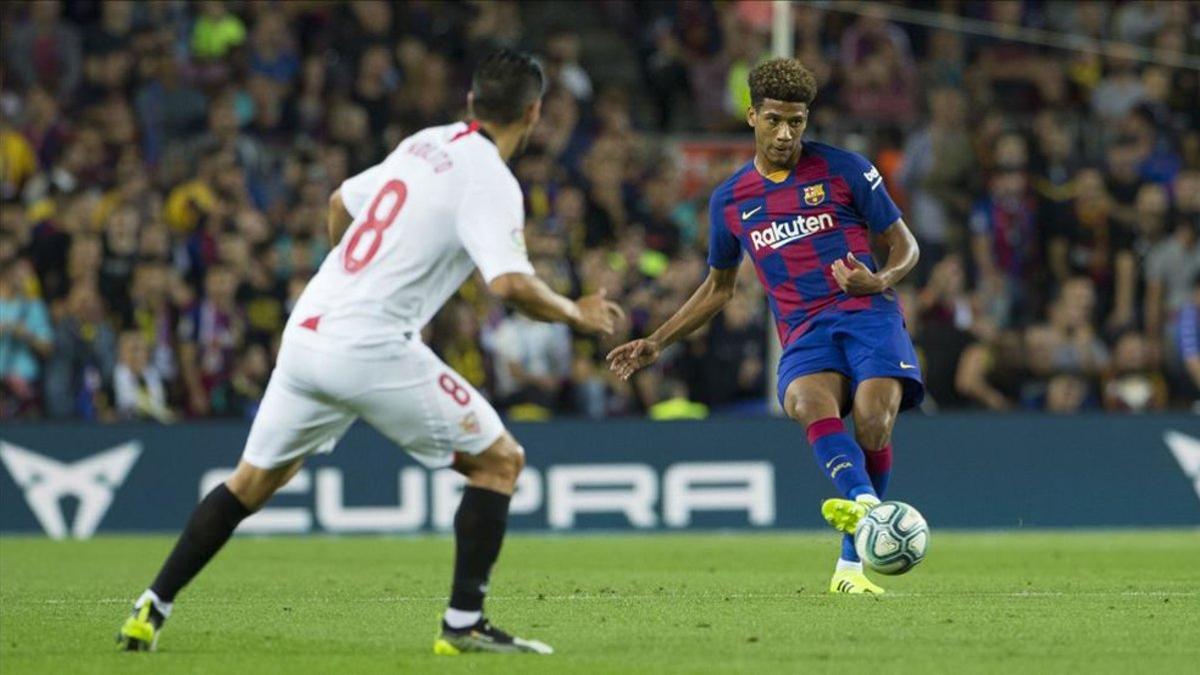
(409, 395)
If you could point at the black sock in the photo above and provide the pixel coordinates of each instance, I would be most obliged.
(478, 530)
(206, 532)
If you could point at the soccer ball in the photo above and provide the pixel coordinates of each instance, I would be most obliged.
(892, 538)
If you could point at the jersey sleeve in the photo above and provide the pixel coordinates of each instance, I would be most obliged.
(491, 226)
(357, 190)
(871, 198)
(724, 249)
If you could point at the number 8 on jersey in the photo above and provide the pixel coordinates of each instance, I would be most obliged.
(375, 225)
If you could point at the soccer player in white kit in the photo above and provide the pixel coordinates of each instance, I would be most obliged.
(407, 233)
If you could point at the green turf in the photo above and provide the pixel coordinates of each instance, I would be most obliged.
(1030, 603)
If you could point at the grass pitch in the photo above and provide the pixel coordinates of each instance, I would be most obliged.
(1004, 602)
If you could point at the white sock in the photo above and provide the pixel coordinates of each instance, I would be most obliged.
(869, 500)
(843, 565)
(163, 608)
(457, 618)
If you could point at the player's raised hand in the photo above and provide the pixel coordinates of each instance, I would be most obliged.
(632, 357)
(596, 314)
(855, 277)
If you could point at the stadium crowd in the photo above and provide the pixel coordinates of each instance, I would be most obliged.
(165, 169)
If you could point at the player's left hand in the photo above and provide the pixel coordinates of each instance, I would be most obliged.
(855, 277)
(633, 356)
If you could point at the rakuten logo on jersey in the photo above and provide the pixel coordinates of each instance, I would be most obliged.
(779, 234)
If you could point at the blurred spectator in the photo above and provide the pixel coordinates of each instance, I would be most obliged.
(216, 31)
(1066, 393)
(211, 334)
(1070, 338)
(26, 336)
(745, 46)
(1123, 181)
(937, 174)
(1132, 384)
(168, 108)
(79, 373)
(729, 360)
(377, 78)
(880, 75)
(673, 404)
(667, 78)
(1085, 240)
(991, 373)
(262, 297)
(137, 385)
(155, 296)
(45, 52)
(662, 221)
(45, 126)
(562, 65)
(1119, 91)
(532, 362)
(119, 257)
(18, 163)
(272, 48)
(1171, 264)
(1005, 236)
(949, 321)
(249, 380)
(1188, 331)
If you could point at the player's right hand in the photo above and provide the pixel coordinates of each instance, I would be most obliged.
(632, 357)
(596, 314)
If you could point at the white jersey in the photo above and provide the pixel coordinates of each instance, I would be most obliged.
(440, 205)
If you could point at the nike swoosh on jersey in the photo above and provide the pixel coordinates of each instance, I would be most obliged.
(747, 214)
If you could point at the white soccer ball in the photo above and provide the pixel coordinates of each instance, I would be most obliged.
(892, 538)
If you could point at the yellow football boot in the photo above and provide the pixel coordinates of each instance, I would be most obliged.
(852, 582)
(140, 631)
(844, 514)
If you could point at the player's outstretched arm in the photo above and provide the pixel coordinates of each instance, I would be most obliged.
(712, 295)
(531, 296)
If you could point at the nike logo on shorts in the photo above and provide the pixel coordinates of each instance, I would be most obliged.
(907, 366)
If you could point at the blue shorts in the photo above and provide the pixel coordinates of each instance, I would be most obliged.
(860, 345)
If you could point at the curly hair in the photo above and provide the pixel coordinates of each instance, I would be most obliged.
(782, 80)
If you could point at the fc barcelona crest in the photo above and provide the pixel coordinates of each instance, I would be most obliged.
(814, 194)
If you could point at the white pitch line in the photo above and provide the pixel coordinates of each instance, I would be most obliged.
(652, 596)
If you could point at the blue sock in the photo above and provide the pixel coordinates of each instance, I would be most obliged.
(879, 468)
(848, 552)
(840, 457)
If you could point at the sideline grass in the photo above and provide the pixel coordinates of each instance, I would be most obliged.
(1098, 602)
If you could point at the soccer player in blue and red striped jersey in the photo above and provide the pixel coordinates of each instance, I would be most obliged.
(806, 214)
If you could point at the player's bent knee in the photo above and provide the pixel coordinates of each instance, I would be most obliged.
(808, 409)
(497, 467)
(814, 397)
(874, 431)
(254, 486)
(510, 461)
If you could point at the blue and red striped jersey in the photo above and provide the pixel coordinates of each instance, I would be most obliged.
(795, 229)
